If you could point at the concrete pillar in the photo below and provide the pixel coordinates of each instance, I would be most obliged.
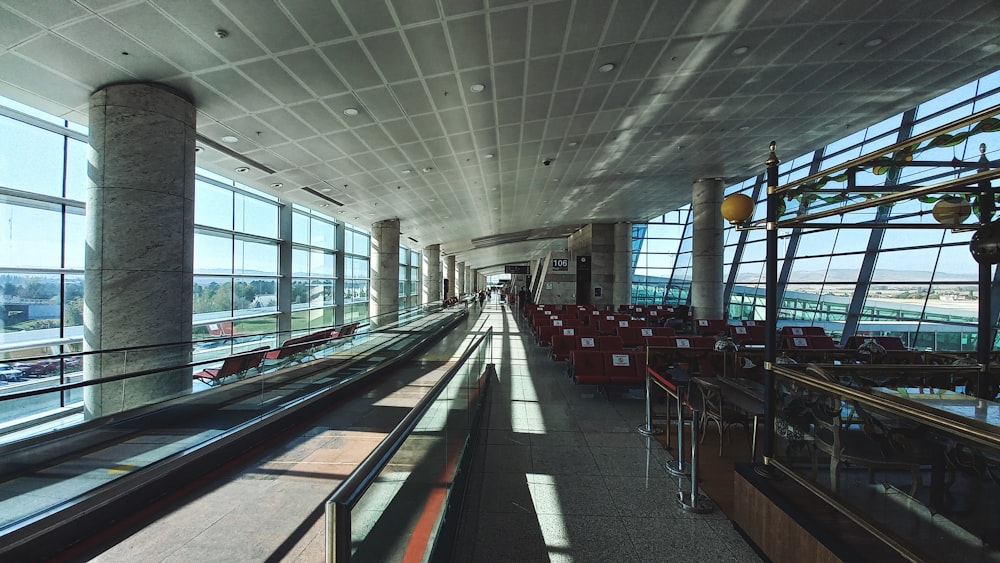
(459, 278)
(622, 264)
(707, 249)
(450, 274)
(383, 299)
(431, 266)
(140, 238)
(468, 279)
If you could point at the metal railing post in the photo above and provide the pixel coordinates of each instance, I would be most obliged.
(694, 502)
(677, 467)
(648, 429)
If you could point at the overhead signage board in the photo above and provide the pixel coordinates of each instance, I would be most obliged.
(560, 264)
(520, 269)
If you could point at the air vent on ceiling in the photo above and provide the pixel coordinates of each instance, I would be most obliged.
(323, 197)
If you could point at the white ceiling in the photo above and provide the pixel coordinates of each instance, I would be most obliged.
(625, 145)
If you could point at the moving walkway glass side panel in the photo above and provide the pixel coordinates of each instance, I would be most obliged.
(399, 516)
(42, 473)
(899, 450)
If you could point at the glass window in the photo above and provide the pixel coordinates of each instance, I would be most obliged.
(34, 163)
(256, 217)
(213, 206)
(31, 234)
(77, 180)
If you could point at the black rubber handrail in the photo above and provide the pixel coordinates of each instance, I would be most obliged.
(350, 491)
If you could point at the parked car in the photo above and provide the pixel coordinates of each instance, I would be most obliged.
(10, 373)
(38, 368)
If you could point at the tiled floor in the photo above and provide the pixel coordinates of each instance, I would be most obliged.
(562, 475)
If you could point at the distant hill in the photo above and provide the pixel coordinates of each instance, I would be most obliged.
(851, 276)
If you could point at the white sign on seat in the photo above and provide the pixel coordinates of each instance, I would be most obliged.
(646, 331)
(586, 343)
(619, 360)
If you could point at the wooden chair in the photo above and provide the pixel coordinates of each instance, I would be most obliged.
(713, 409)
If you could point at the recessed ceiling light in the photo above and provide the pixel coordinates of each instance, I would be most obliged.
(431, 199)
(606, 67)
(242, 169)
(327, 189)
(744, 127)
(741, 50)
(350, 112)
(990, 47)
(325, 205)
(489, 155)
(573, 143)
(477, 88)
(555, 179)
(407, 171)
(277, 185)
(427, 169)
(198, 148)
(874, 42)
(229, 139)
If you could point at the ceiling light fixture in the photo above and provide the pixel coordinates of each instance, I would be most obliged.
(427, 169)
(198, 149)
(243, 169)
(229, 139)
(741, 50)
(874, 42)
(573, 143)
(351, 112)
(606, 67)
(744, 127)
(477, 88)
(489, 155)
(277, 185)
(407, 171)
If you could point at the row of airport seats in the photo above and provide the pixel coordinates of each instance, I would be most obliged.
(608, 367)
(241, 365)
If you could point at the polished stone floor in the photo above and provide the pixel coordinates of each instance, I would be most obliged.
(562, 475)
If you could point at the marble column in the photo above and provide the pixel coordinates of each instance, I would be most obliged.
(383, 299)
(450, 274)
(138, 278)
(431, 278)
(459, 279)
(621, 288)
(707, 249)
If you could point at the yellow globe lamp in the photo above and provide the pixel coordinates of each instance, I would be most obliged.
(951, 210)
(737, 208)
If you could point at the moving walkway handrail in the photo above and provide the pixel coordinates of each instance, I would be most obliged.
(66, 355)
(350, 491)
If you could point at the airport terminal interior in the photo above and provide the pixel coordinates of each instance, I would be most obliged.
(499, 280)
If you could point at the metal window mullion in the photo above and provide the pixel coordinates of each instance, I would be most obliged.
(727, 291)
(795, 237)
(853, 319)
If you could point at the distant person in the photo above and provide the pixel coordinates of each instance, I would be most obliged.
(482, 298)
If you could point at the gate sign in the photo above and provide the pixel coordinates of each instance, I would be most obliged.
(560, 264)
(515, 269)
